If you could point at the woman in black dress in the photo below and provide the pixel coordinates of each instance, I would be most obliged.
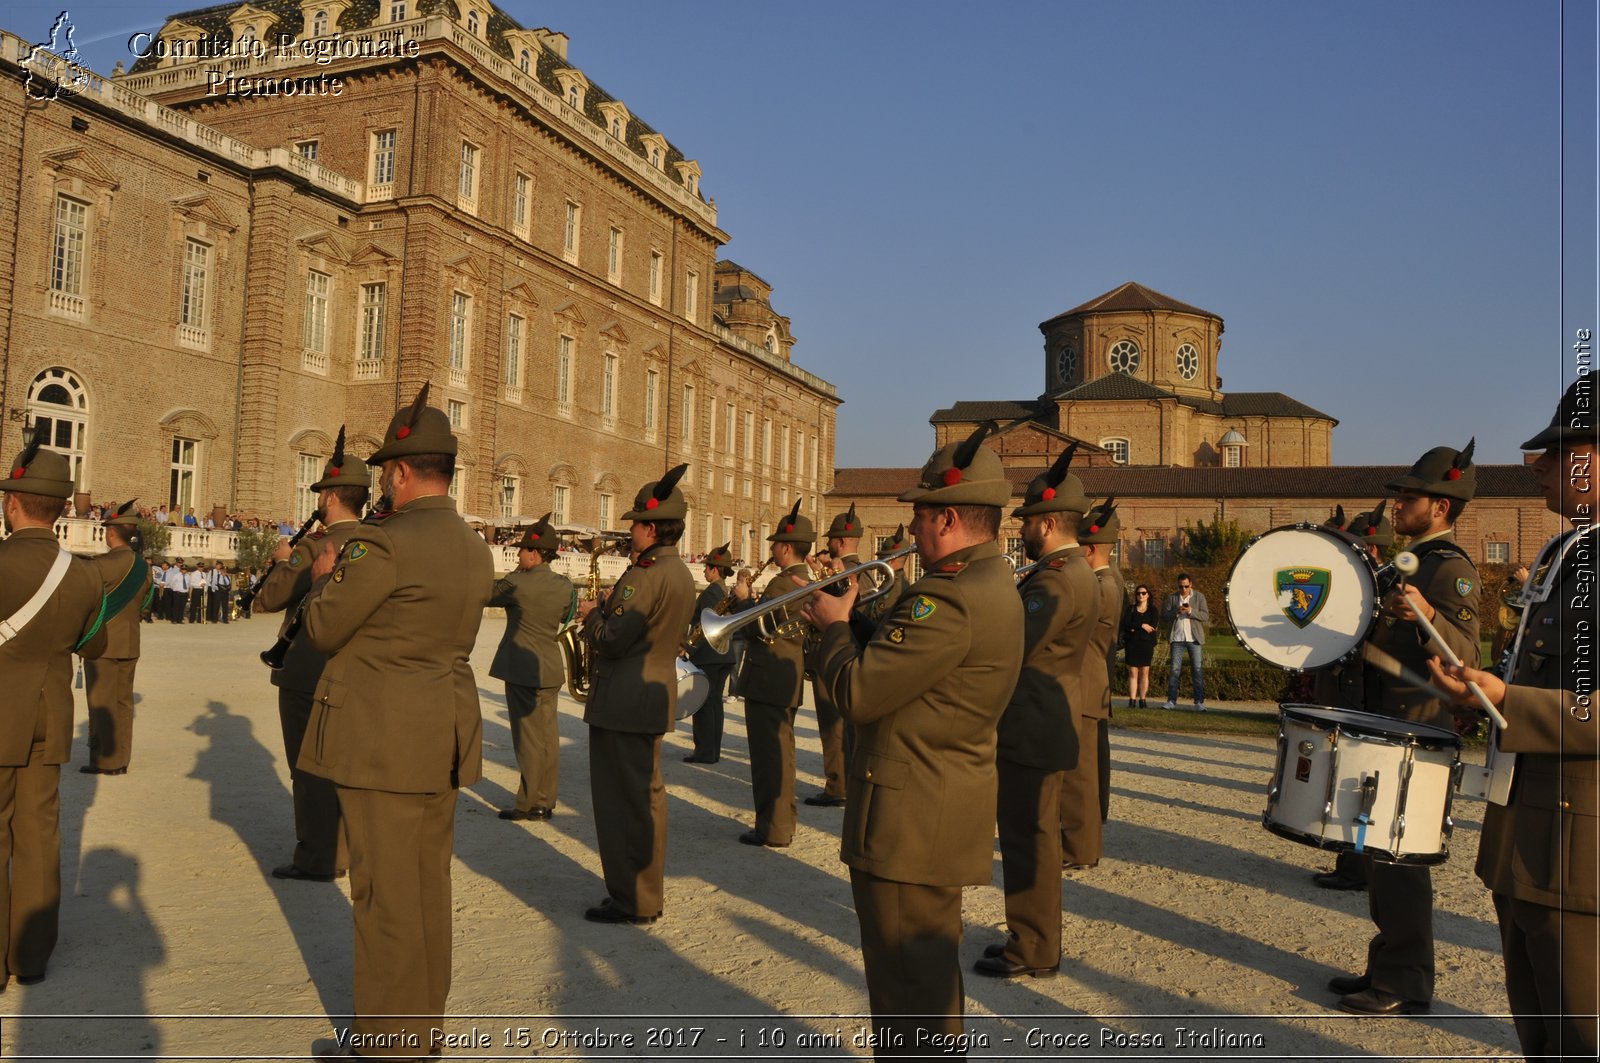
(1139, 622)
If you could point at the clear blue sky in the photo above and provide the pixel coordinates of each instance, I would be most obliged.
(1369, 193)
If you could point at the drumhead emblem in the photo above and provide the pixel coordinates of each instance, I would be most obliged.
(1302, 592)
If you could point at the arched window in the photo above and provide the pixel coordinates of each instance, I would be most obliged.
(472, 23)
(1118, 448)
(526, 62)
(58, 401)
(572, 95)
(319, 24)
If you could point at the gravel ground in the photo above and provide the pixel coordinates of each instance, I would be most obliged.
(1199, 935)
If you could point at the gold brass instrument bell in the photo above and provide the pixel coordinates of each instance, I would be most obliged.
(718, 629)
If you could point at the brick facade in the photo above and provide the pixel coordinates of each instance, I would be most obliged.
(463, 219)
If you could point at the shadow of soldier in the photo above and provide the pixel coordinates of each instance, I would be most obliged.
(243, 778)
(78, 1011)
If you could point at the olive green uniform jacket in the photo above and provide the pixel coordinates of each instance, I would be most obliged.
(1060, 603)
(122, 630)
(36, 665)
(774, 672)
(636, 635)
(924, 696)
(397, 706)
(284, 587)
(537, 601)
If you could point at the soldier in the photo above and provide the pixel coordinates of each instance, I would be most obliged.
(1400, 970)
(1044, 729)
(538, 602)
(636, 631)
(716, 666)
(126, 578)
(1343, 685)
(1537, 853)
(395, 725)
(319, 852)
(844, 546)
(874, 611)
(924, 696)
(1098, 532)
(772, 685)
(50, 604)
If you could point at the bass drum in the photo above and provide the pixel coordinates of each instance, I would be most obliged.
(1302, 597)
(693, 686)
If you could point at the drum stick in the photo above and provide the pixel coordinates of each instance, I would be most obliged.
(1405, 563)
(1389, 665)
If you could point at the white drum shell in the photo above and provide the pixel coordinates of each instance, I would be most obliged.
(1260, 611)
(693, 686)
(1316, 796)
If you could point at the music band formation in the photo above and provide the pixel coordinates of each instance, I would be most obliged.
(969, 704)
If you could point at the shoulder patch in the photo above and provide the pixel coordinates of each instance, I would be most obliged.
(921, 607)
(897, 635)
(1463, 587)
(1464, 614)
(338, 574)
(357, 551)
(617, 611)
(1033, 603)
(627, 592)
(294, 560)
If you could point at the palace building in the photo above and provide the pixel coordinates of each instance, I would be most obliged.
(1132, 377)
(290, 215)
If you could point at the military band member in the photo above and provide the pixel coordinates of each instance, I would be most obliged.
(844, 546)
(1430, 497)
(716, 665)
(395, 724)
(50, 605)
(924, 696)
(319, 851)
(636, 631)
(1044, 729)
(538, 602)
(1343, 685)
(874, 611)
(1098, 533)
(1538, 854)
(126, 578)
(772, 685)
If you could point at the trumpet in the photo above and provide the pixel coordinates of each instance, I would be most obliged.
(718, 630)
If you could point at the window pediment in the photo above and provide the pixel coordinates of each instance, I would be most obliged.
(564, 474)
(371, 254)
(83, 166)
(311, 441)
(190, 423)
(613, 330)
(511, 464)
(571, 312)
(465, 268)
(523, 293)
(204, 209)
(324, 244)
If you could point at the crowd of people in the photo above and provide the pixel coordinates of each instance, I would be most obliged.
(968, 704)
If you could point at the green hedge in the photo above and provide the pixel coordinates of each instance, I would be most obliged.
(1226, 680)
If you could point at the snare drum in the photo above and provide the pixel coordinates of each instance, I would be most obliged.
(1354, 782)
(693, 686)
(1302, 597)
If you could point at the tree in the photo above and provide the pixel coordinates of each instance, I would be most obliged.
(256, 546)
(153, 538)
(1216, 543)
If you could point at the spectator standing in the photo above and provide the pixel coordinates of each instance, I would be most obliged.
(1185, 611)
(1139, 629)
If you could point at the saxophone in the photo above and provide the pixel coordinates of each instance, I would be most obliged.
(575, 646)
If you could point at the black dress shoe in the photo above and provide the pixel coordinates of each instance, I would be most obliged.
(298, 874)
(824, 800)
(29, 979)
(1333, 880)
(1377, 1002)
(533, 813)
(751, 837)
(1345, 984)
(608, 912)
(87, 770)
(1000, 967)
(991, 951)
(695, 758)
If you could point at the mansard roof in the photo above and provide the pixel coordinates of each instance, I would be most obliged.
(1131, 296)
(1001, 410)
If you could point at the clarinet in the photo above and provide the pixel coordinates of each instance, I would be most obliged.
(249, 595)
(273, 656)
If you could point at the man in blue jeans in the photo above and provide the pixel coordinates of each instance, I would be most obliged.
(1186, 613)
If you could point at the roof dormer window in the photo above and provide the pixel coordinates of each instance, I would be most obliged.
(525, 61)
(573, 87)
(319, 24)
(472, 23)
(655, 149)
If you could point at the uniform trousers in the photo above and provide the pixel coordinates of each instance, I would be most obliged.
(196, 606)
(319, 847)
(708, 720)
(770, 731)
(630, 817)
(1080, 796)
(911, 949)
(30, 843)
(110, 697)
(536, 742)
(1400, 955)
(831, 729)
(400, 897)
(1029, 821)
(1551, 977)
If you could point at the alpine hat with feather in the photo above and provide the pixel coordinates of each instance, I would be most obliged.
(963, 474)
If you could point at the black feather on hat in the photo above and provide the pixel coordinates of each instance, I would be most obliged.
(664, 486)
(41, 436)
(969, 447)
(418, 404)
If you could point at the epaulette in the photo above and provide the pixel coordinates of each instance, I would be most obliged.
(950, 568)
(645, 562)
(1443, 549)
(1059, 562)
(319, 534)
(377, 518)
